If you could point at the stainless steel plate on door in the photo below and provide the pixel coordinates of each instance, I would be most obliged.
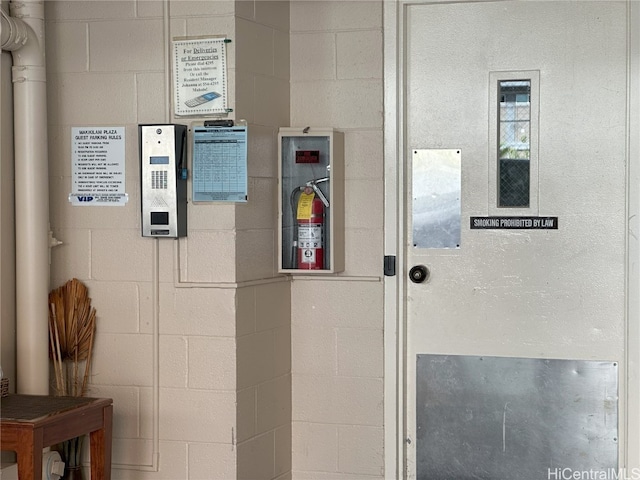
(505, 418)
(436, 197)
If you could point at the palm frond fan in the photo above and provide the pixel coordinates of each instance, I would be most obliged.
(72, 327)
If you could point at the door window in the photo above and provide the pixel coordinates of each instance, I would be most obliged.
(514, 149)
(513, 142)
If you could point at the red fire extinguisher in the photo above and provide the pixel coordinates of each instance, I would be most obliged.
(310, 220)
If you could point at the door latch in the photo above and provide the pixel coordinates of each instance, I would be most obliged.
(389, 265)
(418, 274)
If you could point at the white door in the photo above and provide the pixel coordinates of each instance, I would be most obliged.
(526, 102)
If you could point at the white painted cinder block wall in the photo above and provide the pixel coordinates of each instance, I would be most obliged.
(256, 377)
(336, 324)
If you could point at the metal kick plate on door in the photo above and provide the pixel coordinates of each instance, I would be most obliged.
(499, 418)
(435, 192)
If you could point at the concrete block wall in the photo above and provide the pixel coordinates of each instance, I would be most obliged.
(263, 300)
(336, 323)
(174, 412)
(193, 339)
(254, 376)
(264, 382)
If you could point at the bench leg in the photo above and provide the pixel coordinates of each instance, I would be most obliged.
(29, 453)
(100, 444)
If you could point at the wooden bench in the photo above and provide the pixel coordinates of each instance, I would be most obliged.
(30, 423)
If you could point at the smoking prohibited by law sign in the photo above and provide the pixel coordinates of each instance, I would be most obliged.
(200, 78)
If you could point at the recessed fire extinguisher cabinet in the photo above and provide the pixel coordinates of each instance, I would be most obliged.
(311, 200)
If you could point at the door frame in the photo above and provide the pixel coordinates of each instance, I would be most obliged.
(394, 50)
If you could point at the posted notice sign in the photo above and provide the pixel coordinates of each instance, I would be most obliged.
(97, 166)
(514, 223)
(199, 76)
(219, 164)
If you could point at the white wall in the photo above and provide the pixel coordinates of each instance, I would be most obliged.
(106, 66)
(212, 347)
(336, 323)
(203, 327)
(263, 327)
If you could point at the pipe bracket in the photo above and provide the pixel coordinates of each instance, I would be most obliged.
(31, 9)
(53, 241)
(28, 73)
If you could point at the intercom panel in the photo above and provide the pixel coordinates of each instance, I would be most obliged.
(163, 176)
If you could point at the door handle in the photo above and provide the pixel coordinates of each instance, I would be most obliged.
(418, 274)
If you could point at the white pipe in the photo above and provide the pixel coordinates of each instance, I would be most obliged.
(31, 192)
(7, 230)
(14, 33)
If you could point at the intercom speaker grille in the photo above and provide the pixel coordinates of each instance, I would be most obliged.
(159, 179)
(158, 202)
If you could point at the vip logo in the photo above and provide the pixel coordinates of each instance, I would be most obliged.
(85, 199)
